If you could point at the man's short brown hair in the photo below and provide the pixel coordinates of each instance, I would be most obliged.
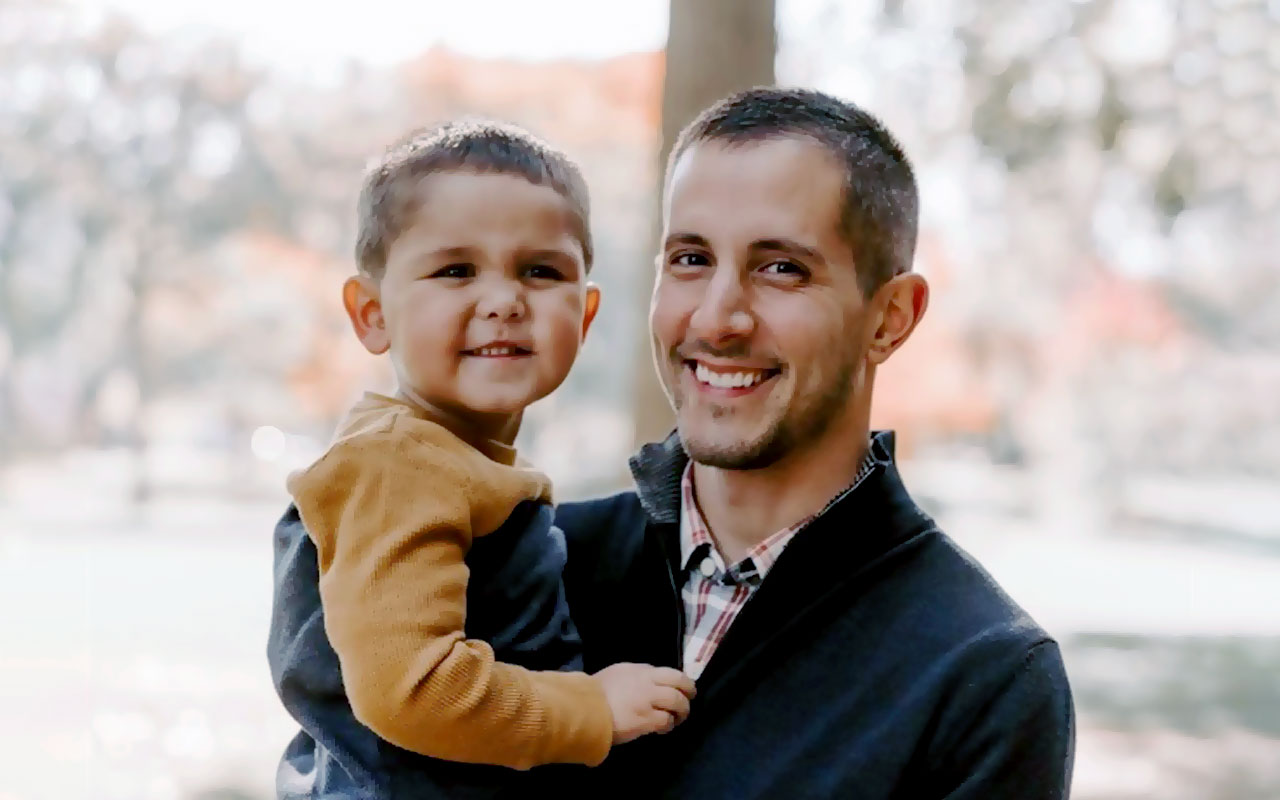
(391, 192)
(880, 206)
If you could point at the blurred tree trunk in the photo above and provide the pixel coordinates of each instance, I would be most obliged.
(8, 361)
(137, 354)
(714, 48)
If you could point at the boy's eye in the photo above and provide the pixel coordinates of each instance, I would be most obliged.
(455, 271)
(544, 272)
(690, 260)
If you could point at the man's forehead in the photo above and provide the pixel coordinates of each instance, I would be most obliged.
(776, 157)
(787, 180)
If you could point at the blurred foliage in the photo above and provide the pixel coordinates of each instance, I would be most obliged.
(1196, 685)
(1100, 184)
(1194, 717)
(1100, 187)
(175, 222)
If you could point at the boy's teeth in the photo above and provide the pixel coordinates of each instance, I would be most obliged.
(728, 380)
(496, 351)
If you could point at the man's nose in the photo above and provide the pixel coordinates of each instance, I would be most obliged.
(724, 310)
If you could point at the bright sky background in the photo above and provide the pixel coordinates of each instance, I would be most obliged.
(300, 35)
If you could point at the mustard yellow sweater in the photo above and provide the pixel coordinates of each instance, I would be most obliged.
(392, 507)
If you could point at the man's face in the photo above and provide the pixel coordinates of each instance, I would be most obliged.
(757, 318)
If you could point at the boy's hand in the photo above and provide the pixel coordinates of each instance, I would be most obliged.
(645, 699)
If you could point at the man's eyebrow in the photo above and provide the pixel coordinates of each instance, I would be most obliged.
(787, 246)
(691, 239)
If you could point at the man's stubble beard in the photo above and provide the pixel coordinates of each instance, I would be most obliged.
(793, 429)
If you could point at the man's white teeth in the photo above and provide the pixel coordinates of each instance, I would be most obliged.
(728, 380)
(496, 351)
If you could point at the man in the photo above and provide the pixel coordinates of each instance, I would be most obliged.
(843, 646)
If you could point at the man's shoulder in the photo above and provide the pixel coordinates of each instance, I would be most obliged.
(584, 521)
(1005, 718)
(884, 547)
(606, 531)
(605, 537)
(962, 607)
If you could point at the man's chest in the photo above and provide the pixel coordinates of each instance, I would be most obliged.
(830, 717)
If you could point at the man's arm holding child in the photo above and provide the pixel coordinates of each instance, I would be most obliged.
(392, 517)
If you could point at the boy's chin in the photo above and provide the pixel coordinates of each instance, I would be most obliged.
(476, 405)
(499, 404)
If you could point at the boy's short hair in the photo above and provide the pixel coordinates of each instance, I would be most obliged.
(391, 192)
(881, 205)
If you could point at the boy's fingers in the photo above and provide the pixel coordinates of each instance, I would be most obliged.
(663, 722)
(675, 679)
(673, 702)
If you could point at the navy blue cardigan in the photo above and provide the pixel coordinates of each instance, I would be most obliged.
(877, 659)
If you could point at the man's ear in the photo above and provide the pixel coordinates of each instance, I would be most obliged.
(902, 301)
(362, 299)
(590, 307)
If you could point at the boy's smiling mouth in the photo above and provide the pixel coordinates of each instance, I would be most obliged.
(500, 349)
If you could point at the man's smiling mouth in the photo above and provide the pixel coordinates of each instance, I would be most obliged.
(729, 377)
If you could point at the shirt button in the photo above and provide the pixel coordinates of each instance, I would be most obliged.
(707, 567)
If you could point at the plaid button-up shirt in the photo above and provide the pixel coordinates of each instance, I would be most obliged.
(713, 594)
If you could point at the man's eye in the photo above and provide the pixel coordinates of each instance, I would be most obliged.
(690, 260)
(544, 272)
(455, 271)
(788, 268)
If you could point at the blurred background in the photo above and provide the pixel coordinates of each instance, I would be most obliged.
(1092, 405)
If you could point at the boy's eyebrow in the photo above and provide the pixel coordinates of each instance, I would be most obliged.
(459, 252)
(551, 253)
(691, 239)
(462, 252)
(788, 246)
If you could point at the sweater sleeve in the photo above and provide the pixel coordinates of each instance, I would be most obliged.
(1019, 746)
(392, 520)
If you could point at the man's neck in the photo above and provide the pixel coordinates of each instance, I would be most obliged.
(742, 508)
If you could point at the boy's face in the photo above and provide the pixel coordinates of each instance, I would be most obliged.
(484, 301)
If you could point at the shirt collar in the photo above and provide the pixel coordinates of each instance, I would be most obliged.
(697, 544)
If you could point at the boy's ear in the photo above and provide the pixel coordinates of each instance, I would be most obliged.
(590, 308)
(363, 302)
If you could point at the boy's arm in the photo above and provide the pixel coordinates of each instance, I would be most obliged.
(392, 520)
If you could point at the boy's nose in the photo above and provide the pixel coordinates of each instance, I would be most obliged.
(501, 303)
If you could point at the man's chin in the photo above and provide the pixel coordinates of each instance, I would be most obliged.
(726, 449)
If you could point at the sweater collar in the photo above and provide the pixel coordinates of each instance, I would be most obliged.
(497, 451)
(657, 469)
